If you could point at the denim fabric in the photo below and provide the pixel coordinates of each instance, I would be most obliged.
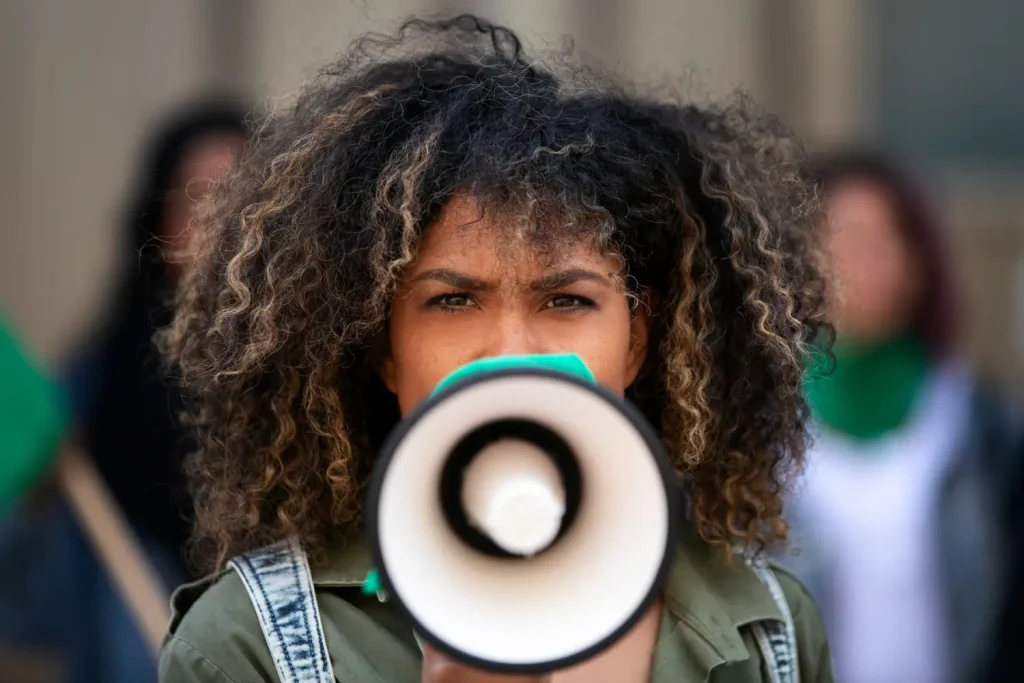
(776, 639)
(279, 583)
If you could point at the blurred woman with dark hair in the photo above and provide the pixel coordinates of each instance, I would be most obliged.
(126, 411)
(903, 520)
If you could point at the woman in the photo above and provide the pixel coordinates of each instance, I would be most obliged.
(903, 521)
(397, 224)
(126, 412)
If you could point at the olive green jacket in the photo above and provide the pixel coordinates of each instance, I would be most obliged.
(215, 636)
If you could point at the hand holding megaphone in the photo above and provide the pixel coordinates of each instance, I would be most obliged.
(523, 517)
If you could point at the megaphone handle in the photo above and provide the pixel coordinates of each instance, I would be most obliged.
(115, 545)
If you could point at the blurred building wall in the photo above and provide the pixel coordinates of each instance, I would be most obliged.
(82, 83)
(942, 83)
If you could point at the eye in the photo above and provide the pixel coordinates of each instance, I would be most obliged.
(569, 303)
(451, 303)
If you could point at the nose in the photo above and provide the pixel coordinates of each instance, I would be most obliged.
(510, 335)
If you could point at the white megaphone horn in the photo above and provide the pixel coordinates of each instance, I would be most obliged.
(523, 518)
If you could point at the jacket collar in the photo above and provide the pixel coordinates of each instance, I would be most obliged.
(344, 567)
(708, 597)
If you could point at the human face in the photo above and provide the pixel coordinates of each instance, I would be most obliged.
(205, 161)
(877, 276)
(474, 292)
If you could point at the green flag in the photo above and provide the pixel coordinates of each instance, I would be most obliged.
(32, 419)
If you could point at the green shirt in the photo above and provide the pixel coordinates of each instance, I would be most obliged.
(705, 636)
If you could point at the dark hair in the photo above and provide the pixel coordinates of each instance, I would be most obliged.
(709, 206)
(128, 413)
(934, 318)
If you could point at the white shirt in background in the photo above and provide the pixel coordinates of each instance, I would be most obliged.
(873, 505)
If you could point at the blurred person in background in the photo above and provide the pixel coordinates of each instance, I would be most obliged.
(903, 523)
(126, 416)
(127, 412)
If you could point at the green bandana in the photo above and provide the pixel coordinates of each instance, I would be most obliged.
(871, 390)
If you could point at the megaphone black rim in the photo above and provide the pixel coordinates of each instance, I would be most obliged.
(639, 422)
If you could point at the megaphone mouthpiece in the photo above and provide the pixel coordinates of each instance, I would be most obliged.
(513, 493)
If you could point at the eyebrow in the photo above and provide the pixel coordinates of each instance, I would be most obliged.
(564, 278)
(547, 283)
(455, 279)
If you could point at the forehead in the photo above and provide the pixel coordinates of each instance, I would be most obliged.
(857, 197)
(489, 236)
(861, 210)
(212, 153)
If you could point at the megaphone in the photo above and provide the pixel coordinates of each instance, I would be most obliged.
(523, 517)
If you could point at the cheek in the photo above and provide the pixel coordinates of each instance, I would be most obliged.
(412, 368)
(873, 293)
(422, 354)
(177, 215)
(605, 349)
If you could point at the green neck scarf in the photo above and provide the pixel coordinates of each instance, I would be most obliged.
(871, 390)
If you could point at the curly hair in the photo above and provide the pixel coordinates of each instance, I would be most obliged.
(279, 323)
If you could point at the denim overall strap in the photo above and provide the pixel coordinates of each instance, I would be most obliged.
(776, 639)
(279, 583)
